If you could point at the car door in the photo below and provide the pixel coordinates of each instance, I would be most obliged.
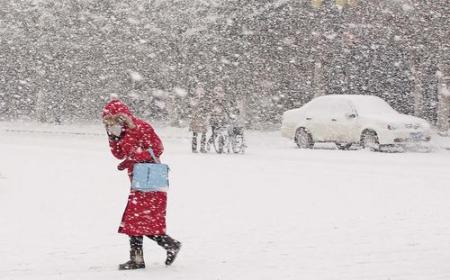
(343, 121)
(316, 120)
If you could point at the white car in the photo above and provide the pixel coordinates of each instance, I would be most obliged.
(349, 119)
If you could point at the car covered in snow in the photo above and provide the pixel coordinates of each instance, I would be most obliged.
(353, 119)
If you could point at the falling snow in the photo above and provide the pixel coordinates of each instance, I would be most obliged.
(61, 60)
(275, 212)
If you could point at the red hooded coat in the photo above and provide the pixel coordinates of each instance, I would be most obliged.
(145, 213)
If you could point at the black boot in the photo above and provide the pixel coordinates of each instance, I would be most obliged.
(171, 245)
(136, 260)
(172, 253)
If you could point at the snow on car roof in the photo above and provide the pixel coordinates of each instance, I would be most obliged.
(367, 104)
(351, 97)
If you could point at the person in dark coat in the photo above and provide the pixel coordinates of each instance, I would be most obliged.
(219, 115)
(199, 120)
(145, 214)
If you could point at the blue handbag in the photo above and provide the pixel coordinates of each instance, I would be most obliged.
(150, 177)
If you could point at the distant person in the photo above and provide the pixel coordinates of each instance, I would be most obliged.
(199, 120)
(218, 112)
(145, 214)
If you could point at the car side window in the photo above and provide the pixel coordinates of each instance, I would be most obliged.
(315, 108)
(340, 108)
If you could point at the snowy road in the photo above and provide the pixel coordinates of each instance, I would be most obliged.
(275, 213)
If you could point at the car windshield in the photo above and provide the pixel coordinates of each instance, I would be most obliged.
(372, 105)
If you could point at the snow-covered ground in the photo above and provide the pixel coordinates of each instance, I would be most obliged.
(274, 213)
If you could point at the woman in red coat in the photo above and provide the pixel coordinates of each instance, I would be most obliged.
(145, 213)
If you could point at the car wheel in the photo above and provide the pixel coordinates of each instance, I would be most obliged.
(369, 140)
(303, 139)
(343, 146)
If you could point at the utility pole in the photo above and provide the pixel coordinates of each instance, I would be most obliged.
(443, 109)
(418, 92)
(40, 109)
(318, 80)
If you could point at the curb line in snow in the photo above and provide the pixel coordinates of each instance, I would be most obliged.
(442, 146)
(51, 132)
(10, 130)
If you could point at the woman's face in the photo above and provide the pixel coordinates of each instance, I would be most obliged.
(114, 124)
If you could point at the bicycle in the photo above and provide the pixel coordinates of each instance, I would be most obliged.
(228, 139)
(237, 139)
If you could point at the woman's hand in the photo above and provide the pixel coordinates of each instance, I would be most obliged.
(126, 164)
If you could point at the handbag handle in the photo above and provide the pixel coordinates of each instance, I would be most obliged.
(150, 150)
